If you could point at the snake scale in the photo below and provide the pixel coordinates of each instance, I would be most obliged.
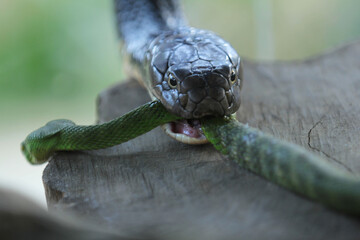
(194, 78)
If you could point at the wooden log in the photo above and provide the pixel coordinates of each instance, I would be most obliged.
(154, 185)
(20, 218)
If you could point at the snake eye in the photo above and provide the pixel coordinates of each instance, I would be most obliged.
(172, 81)
(233, 76)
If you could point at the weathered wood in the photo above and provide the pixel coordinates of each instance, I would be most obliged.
(20, 218)
(155, 185)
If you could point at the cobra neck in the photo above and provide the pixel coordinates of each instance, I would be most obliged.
(139, 21)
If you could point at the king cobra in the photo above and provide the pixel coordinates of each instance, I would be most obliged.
(194, 78)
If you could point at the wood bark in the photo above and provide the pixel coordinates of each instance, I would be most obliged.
(155, 186)
(20, 218)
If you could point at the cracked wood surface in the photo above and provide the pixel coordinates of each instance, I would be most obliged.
(155, 187)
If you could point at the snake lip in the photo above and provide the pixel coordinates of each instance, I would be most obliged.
(187, 131)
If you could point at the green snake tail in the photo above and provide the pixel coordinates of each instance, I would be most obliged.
(285, 164)
(62, 135)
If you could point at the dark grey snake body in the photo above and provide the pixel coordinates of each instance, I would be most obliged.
(286, 164)
(196, 74)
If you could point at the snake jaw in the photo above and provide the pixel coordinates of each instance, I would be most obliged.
(186, 131)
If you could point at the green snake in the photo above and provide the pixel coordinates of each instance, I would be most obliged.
(194, 78)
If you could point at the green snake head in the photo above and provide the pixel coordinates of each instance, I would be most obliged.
(41, 143)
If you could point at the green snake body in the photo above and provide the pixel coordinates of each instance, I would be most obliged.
(285, 164)
(64, 135)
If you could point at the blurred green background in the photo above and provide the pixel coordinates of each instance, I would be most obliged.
(56, 56)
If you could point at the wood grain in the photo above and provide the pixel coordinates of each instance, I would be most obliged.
(154, 186)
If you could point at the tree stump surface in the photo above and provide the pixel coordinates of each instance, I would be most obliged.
(155, 186)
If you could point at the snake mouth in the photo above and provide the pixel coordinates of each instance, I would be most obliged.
(187, 131)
